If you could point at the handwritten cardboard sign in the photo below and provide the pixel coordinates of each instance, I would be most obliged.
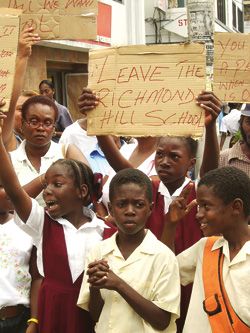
(232, 67)
(57, 19)
(9, 33)
(147, 90)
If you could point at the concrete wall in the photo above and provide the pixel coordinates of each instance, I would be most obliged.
(118, 23)
(127, 27)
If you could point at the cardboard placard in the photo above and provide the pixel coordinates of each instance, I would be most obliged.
(231, 82)
(9, 35)
(147, 90)
(58, 19)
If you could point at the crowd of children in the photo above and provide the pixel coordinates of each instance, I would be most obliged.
(70, 271)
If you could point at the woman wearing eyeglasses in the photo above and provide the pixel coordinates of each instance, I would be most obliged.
(37, 151)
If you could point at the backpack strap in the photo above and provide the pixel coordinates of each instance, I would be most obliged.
(221, 315)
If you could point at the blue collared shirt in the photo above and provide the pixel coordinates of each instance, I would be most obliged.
(98, 162)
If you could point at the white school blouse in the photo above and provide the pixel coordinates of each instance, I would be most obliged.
(15, 251)
(78, 241)
(168, 198)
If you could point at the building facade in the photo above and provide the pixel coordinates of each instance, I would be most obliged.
(247, 16)
(119, 22)
(169, 25)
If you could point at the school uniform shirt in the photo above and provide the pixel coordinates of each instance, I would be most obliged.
(78, 241)
(25, 170)
(98, 161)
(15, 279)
(236, 277)
(151, 270)
(168, 198)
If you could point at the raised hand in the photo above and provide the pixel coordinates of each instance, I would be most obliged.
(26, 40)
(211, 104)
(2, 103)
(87, 101)
(2, 117)
(179, 208)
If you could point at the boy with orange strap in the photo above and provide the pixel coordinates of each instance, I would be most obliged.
(219, 267)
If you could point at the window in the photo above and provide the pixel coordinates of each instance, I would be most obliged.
(221, 9)
(240, 21)
(181, 3)
(234, 16)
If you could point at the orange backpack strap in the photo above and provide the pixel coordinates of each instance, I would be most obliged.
(220, 313)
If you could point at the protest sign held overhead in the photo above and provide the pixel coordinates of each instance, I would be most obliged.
(147, 90)
(232, 67)
(9, 34)
(57, 19)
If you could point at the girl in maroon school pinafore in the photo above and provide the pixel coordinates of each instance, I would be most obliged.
(57, 310)
(69, 187)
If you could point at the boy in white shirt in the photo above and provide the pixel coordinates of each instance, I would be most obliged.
(220, 296)
(131, 281)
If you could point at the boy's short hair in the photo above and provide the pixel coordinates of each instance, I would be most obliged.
(229, 183)
(128, 176)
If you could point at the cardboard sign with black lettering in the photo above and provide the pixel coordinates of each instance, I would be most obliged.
(147, 90)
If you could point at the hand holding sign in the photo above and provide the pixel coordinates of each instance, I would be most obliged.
(147, 89)
(27, 39)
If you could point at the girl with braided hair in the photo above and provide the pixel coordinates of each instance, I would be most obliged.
(63, 232)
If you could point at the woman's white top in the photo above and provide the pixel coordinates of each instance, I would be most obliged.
(25, 170)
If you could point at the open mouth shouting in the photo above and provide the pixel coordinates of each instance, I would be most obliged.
(51, 206)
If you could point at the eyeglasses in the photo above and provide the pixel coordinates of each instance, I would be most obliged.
(34, 123)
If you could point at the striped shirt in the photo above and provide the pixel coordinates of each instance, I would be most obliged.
(236, 158)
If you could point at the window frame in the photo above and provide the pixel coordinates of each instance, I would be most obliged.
(221, 11)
